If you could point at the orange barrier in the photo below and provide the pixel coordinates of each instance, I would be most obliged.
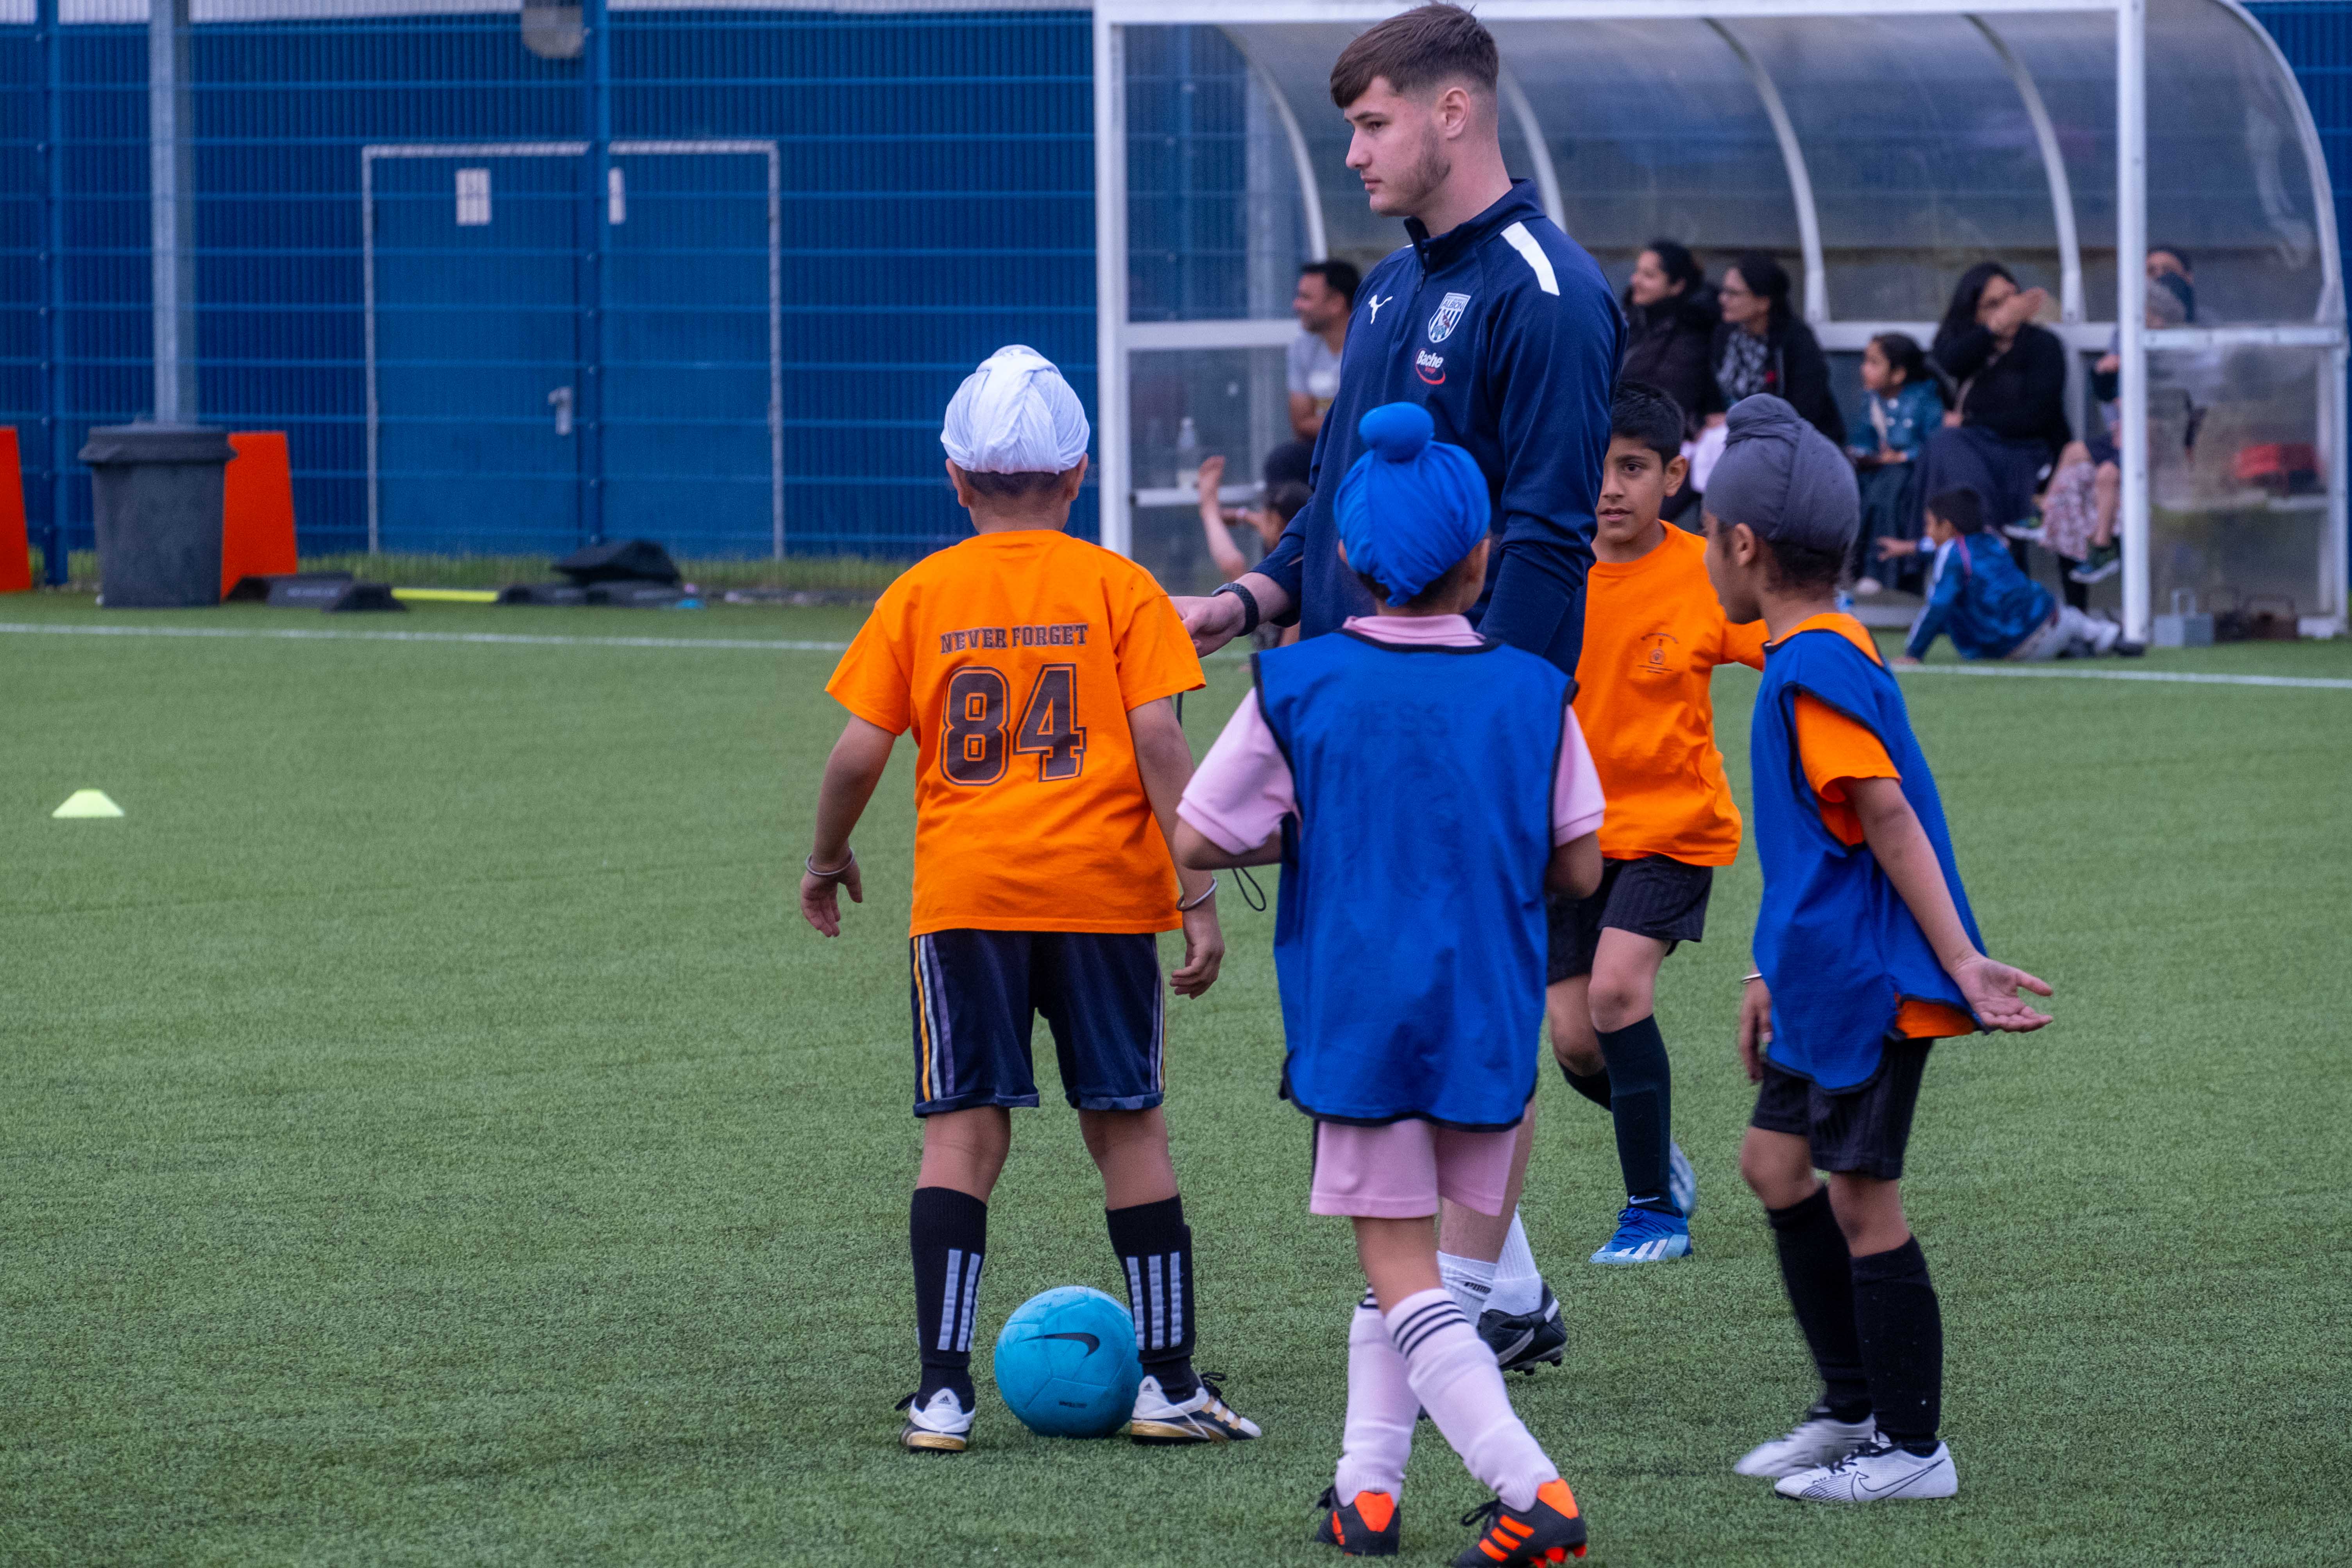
(257, 509)
(15, 551)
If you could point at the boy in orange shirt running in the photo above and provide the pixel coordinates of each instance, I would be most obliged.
(1654, 634)
(1035, 671)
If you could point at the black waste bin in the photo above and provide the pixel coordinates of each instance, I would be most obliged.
(156, 491)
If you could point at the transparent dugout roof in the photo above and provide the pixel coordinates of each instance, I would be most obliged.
(1914, 130)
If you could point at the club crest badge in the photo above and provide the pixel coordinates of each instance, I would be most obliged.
(1448, 317)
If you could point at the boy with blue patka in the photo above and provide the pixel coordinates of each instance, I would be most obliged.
(1422, 787)
(1866, 953)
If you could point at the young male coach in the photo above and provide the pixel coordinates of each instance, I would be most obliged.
(1502, 328)
(1492, 317)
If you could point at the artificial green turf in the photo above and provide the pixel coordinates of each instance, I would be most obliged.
(432, 1137)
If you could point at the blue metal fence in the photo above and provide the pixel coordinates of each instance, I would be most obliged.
(708, 280)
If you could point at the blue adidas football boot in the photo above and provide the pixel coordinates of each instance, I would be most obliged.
(1647, 1235)
(1681, 1181)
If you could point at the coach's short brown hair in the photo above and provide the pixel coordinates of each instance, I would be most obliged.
(1415, 51)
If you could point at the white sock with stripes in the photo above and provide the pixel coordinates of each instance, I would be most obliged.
(1453, 1375)
(1380, 1409)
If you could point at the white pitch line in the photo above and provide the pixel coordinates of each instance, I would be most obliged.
(525, 639)
(2168, 677)
(322, 634)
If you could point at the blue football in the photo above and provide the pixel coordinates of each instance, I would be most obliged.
(1065, 1364)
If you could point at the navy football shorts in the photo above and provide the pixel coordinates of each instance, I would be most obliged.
(976, 994)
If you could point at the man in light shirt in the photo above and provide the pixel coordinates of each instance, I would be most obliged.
(1326, 297)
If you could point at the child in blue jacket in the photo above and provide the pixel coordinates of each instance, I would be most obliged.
(1902, 405)
(1977, 597)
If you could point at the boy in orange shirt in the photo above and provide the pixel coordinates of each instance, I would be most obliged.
(1654, 632)
(1036, 672)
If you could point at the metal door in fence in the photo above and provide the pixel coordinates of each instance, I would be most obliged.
(504, 383)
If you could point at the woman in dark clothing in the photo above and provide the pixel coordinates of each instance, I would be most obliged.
(2012, 406)
(1761, 346)
(1670, 316)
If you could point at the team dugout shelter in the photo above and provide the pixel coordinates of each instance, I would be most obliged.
(1878, 147)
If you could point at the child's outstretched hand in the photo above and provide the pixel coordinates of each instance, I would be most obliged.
(819, 906)
(1991, 988)
(1755, 1027)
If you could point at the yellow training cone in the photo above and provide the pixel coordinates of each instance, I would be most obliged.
(87, 802)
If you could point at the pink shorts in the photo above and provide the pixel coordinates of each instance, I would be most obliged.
(1400, 1171)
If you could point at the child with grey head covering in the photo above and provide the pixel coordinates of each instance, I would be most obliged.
(1784, 479)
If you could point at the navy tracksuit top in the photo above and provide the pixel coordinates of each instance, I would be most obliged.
(1503, 328)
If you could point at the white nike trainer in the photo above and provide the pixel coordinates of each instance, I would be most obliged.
(1817, 1441)
(1880, 1473)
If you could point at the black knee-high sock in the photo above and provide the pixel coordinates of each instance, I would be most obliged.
(1902, 1333)
(1641, 1092)
(1595, 1087)
(1155, 1253)
(1818, 1275)
(949, 1232)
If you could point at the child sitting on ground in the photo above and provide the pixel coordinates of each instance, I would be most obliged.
(1866, 953)
(1422, 788)
(1976, 595)
(1904, 405)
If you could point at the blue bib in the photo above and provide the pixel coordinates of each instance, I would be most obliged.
(1834, 939)
(1411, 941)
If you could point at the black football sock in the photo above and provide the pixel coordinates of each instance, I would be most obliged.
(949, 1231)
(1641, 1092)
(1902, 1333)
(1155, 1253)
(1595, 1087)
(1818, 1275)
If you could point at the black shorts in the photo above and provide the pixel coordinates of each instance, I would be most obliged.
(976, 994)
(1653, 897)
(1861, 1131)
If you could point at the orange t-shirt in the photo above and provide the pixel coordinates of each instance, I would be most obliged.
(1835, 750)
(1016, 657)
(1654, 634)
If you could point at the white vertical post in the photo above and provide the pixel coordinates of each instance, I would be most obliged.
(171, 212)
(2332, 369)
(1114, 485)
(2131, 304)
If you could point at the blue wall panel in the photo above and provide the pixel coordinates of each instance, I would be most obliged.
(935, 176)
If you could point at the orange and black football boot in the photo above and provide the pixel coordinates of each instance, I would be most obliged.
(1551, 1531)
(1367, 1525)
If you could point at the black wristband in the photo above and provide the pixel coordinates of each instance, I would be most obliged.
(1249, 606)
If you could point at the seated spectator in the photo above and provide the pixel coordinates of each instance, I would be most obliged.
(2009, 424)
(2078, 512)
(2171, 261)
(1285, 499)
(1759, 345)
(1979, 597)
(1670, 318)
(1905, 405)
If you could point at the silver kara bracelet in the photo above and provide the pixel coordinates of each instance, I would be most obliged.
(809, 863)
(1183, 908)
(1746, 978)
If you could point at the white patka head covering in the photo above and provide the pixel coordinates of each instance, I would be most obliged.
(1015, 415)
